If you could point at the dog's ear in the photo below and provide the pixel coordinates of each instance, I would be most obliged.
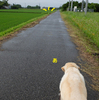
(63, 69)
(76, 66)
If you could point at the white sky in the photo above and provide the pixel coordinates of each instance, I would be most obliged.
(51, 3)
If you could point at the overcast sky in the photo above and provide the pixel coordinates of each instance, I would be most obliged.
(51, 3)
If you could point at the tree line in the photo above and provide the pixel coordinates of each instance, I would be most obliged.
(4, 3)
(33, 7)
(94, 6)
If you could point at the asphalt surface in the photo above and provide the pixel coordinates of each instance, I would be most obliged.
(26, 68)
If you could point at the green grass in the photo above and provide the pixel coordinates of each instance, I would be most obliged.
(88, 24)
(8, 20)
(14, 19)
(23, 10)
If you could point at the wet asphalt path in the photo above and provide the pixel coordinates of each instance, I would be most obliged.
(26, 68)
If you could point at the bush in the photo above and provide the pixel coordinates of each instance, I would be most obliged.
(17, 6)
(14, 7)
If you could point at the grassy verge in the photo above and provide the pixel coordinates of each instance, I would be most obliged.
(84, 43)
(88, 24)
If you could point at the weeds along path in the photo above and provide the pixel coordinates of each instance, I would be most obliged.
(88, 24)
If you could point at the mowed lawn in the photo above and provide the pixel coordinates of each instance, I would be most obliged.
(13, 19)
(88, 24)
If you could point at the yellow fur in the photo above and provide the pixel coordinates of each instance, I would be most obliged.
(72, 85)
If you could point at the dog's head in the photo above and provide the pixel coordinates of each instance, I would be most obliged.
(68, 65)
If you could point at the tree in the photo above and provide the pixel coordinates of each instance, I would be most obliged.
(29, 7)
(97, 7)
(60, 7)
(94, 6)
(16, 6)
(1, 4)
(5, 2)
(65, 6)
(91, 6)
(33, 7)
(75, 3)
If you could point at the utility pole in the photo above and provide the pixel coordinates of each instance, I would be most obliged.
(86, 7)
(82, 7)
(71, 5)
